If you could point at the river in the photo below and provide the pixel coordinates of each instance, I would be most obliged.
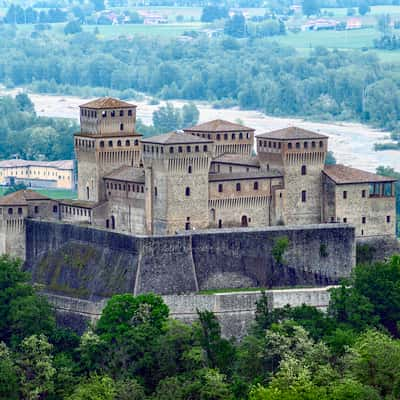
(351, 143)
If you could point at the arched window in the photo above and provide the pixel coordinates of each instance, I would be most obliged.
(205, 148)
(104, 114)
(321, 143)
(238, 187)
(180, 149)
(196, 149)
(233, 136)
(240, 135)
(136, 142)
(289, 145)
(171, 150)
(112, 222)
(121, 127)
(188, 149)
(304, 170)
(190, 169)
(303, 196)
(101, 143)
(113, 113)
(121, 113)
(225, 136)
(187, 191)
(218, 136)
(127, 143)
(220, 188)
(255, 186)
(110, 143)
(119, 143)
(87, 192)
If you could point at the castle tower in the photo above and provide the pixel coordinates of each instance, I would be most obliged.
(107, 141)
(228, 137)
(300, 155)
(176, 170)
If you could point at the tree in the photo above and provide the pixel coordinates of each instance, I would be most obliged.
(236, 26)
(190, 115)
(127, 330)
(8, 375)
(36, 364)
(22, 311)
(95, 388)
(310, 7)
(219, 352)
(375, 362)
(72, 27)
(167, 119)
(24, 103)
(98, 5)
(364, 8)
(211, 13)
(330, 158)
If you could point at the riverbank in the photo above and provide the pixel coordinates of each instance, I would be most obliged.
(352, 143)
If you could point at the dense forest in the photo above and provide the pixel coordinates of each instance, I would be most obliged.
(135, 351)
(253, 73)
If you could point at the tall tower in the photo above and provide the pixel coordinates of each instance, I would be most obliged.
(300, 155)
(228, 137)
(107, 141)
(176, 171)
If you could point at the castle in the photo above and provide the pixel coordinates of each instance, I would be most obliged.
(204, 177)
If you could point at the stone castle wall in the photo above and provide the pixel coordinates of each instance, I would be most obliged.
(235, 311)
(94, 264)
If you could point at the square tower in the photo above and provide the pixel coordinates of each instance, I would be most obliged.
(176, 173)
(107, 141)
(228, 137)
(300, 155)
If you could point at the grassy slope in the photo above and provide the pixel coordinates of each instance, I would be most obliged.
(52, 193)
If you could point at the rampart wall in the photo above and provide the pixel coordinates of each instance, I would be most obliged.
(94, 264)
(235, 311)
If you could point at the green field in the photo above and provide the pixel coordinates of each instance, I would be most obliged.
(167, 30)
(114, 31)
(355, 39)
(375, 10)
(52, 193)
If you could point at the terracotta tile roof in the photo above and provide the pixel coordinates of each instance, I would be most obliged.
(127, 174)
(79, 203)
(175, 138)
(218, 125)
(107, 102)
(291, 133)
(107, 135)
(236, 176)
(21, 198)
(251, 161)
(341, 174)
(15, 163)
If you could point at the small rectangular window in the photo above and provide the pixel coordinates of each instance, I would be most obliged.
(363, 193)
(345, 220)
(388, 219)
(304, 196)
(364, 220)
(220, 188)
(238, 188)
(345, 194)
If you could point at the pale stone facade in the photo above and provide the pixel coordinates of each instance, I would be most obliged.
(40, 174)
(208, 177)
